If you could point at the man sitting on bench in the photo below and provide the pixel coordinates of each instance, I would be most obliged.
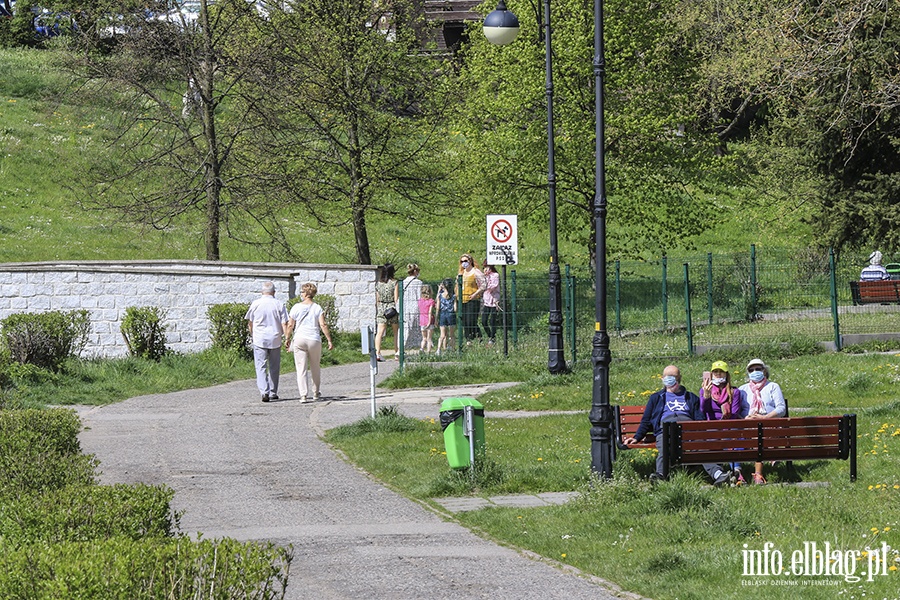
(874, 272)
(674, 403)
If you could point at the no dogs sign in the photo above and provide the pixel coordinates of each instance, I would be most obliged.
(502, 240)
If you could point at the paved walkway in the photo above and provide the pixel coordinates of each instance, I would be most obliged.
(253, 471)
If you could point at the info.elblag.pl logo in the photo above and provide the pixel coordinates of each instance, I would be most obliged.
(819, 560)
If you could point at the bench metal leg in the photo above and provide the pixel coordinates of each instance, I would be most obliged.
(852, 442)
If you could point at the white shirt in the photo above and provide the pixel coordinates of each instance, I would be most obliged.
(874, 273)
(306, 321)
(412, 291)
(268, 317)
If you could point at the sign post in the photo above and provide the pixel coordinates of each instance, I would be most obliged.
(503, 249)
(367, 335)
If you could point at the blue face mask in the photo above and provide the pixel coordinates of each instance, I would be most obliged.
(757, 376)
(669, 381)
(465, 264)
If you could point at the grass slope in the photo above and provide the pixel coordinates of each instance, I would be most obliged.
(47, 142)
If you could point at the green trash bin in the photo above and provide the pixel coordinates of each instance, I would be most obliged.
(893, 270)
(453, 423)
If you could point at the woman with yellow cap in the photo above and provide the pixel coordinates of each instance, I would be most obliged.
(720, 400)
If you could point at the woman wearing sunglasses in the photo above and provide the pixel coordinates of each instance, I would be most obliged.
(764, 398)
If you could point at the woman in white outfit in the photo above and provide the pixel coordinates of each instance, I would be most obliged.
(302, 337)
(412, 291)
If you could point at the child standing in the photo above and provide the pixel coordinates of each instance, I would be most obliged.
(426, 318)
(446, 315)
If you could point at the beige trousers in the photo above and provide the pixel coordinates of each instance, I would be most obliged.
(308, 357)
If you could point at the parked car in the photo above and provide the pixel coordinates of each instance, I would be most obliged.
(49, 24)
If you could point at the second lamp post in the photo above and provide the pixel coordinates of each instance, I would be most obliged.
(501, 27)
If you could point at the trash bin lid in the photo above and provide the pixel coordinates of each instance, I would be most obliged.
(460, 403)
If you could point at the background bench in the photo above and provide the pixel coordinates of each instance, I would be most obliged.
(875, 292)
(760, 440)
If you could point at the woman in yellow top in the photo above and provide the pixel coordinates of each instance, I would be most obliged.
(473, 286)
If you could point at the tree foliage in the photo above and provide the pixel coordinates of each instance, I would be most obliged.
(173, 80)
(353, 114)
(655, 151)
(816, 86)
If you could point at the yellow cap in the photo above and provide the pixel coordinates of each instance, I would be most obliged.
(719, 365)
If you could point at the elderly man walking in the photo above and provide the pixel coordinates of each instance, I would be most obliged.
(267, 318)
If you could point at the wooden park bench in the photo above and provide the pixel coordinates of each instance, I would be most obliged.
(760, 440)
(626, 420)
(875, 292)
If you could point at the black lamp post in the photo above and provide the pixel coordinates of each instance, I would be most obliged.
(501, 27)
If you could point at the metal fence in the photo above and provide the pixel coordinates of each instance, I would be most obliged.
(680, 306)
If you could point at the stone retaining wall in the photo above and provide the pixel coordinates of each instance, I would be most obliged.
(185, 289)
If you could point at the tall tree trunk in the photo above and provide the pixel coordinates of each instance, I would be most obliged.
(211, 166)
(357, 200)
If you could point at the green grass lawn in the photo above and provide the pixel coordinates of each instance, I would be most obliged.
(103, 381)
(682, 538)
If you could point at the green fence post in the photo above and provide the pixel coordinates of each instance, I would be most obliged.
(709, 286)
(570, 313)
(834, 300)
(687, 309)
(567, 303)
(753, 307)
(400, 341)
(514, 305)
(618, 298)
(459, 308)
(665, 291)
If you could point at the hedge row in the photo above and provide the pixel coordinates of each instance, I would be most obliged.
(126, 569)
(40, 452)
(98, 512)
(62, 536)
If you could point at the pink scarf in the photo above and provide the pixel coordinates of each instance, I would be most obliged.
(756, 405)
(720, 396)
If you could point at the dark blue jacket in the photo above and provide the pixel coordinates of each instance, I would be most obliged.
(652, 418)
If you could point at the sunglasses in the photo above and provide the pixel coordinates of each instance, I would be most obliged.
(751, 369)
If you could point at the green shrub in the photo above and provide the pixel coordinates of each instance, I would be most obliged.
(83, 513)
(39, 451)
(5, 375)
(328, 306)
(45, 339)
(19, 31)
(144, 331)
(228, 328)
(152, 569)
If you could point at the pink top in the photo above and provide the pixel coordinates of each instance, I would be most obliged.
(426, 312)
(491, 297)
